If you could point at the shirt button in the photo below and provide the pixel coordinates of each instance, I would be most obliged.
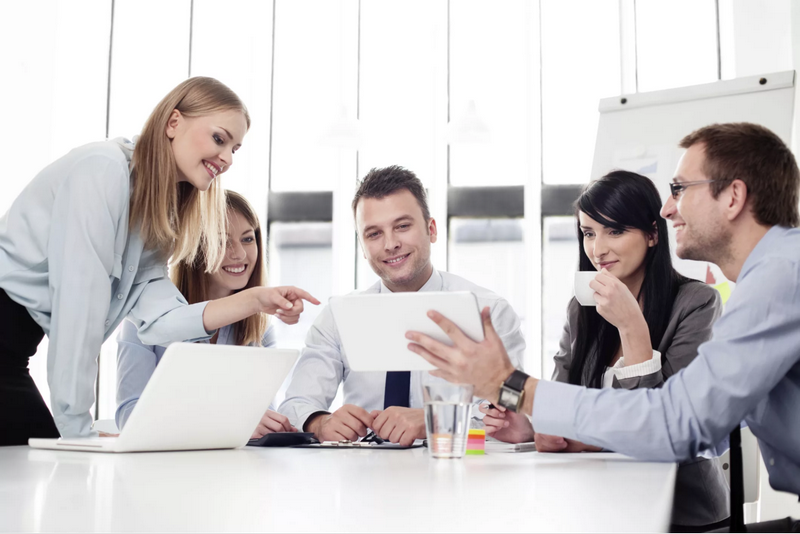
(120, 296)
(772, 461)
(131, 268)
(108, 323)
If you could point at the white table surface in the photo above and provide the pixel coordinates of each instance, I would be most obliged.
(291, 490)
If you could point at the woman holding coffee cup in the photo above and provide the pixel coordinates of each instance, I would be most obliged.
(644, 325)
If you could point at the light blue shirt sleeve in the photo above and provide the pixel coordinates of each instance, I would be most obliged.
(162, 315)
(753, 348)
(269, 340)
(136, 363)
(80, 253)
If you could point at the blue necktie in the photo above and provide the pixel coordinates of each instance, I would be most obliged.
(398, 385)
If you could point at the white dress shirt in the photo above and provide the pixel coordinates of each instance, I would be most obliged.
(323, 364)
(67, 256)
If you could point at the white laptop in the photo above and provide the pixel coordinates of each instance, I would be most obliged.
(200, 396)
(373, 327)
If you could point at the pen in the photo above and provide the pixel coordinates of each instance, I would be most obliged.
(372, 436)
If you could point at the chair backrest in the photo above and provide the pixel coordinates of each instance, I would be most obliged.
(751, 459)
(737, 482)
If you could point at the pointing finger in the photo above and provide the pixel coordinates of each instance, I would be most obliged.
(303, 294)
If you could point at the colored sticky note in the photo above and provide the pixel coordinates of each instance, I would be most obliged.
(724, 291)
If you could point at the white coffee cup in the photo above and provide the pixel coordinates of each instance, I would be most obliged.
(583, 292)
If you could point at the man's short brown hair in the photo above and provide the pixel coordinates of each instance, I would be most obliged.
(756, 156)
(380, 183)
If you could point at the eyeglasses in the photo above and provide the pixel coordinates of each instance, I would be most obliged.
(676, 188)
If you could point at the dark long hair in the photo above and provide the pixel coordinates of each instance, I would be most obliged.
(623, 200)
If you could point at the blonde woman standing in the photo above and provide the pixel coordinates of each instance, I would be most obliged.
(243, 267)
(85, 245)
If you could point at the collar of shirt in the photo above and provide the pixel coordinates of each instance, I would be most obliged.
(126, 146)
(434, 283)
(762, 248)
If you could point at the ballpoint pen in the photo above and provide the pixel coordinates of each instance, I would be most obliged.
(372, 436)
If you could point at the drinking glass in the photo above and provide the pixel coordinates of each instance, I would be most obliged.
(448, 408)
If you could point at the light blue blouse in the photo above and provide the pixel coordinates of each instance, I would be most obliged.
(67, 256)
(136, 363)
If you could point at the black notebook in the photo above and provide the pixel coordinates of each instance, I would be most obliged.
(283, 439)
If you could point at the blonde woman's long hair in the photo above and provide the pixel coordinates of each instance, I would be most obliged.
(174, 217)
(192, 278)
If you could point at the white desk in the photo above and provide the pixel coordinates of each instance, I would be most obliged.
(289, 490)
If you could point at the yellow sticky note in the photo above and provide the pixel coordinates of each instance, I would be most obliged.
(724, 291)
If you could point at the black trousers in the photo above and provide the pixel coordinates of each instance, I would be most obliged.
(787, 524)
(23, 413)
(714, 527)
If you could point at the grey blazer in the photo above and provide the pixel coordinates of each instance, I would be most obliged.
(701, 492)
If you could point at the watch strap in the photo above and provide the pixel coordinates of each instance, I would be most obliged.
(516, 381)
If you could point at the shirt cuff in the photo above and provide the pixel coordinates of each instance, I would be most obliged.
(302, 420)
(184, 323)
(653, 365)
(554, 408)
(74, 426)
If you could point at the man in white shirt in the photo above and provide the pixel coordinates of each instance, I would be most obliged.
(395, 231)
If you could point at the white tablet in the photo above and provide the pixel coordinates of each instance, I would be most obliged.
(373, 327)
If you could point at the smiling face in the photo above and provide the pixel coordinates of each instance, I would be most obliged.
(240, 258)
(622, 252)
(696, 215)
(204, 146)
(396, 239)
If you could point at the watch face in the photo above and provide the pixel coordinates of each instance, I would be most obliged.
(508, 398)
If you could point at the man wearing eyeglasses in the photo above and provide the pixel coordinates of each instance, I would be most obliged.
(734, 203)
